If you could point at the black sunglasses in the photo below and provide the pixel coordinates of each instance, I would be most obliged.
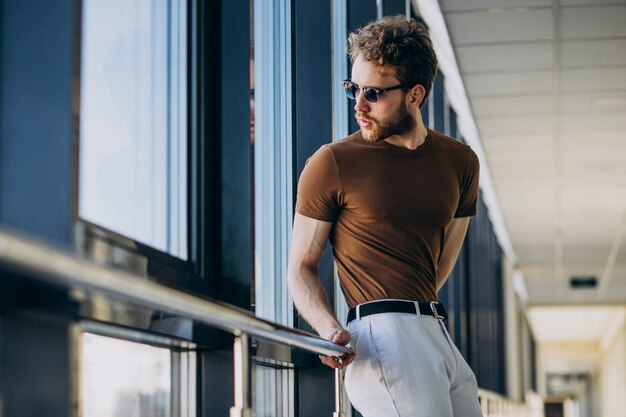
(371, 94)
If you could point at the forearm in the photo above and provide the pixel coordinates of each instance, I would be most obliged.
(445, 269)
(311, 299)
(451, 248)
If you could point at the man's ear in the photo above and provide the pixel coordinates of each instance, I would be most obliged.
(417, 95)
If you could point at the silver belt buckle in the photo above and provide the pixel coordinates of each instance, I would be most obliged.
(433, 307)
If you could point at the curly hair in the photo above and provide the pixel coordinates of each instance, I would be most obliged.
(396, 41)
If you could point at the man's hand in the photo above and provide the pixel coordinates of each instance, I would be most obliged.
(342, 337)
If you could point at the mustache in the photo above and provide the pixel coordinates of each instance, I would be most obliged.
(360, 115)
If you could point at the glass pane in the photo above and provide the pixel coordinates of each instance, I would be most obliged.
(124, 379)
(133, 120)
(272, 158)
(274, 392)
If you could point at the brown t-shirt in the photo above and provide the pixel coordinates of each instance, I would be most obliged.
(391, 207)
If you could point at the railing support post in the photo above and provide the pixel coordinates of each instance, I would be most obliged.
(338, 395)
(241, 359)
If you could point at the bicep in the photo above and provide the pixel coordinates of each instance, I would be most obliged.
(308, 240)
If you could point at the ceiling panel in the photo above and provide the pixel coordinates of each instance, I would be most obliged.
(538, 252)
(517, 210)
(578, 231)
(506, 173)
(539, 235)
(551, 115)
(510, 83)
(520, 179)
(598, 174)
(573, 324)
(520, 140)
(591, 102)
(528, 197)
(530, 180)
(577, 122)
(513, 124)
(513, 57)
(511, 168)
(583, 176)
(503, 106)
(583, 263)
(585, 139)
(550, 291)
(591, 211)
(505, 150)
(518, 25)
(588, 2)
(593, 22)
(520, 208)
(593, 53)
(595, 151)
(614, 193)
(464, 5)
(616, 294)
(593, 79)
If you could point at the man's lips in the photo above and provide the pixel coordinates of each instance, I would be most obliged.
(364, 122)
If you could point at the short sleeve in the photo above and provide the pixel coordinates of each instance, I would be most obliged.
(469, 188)
(319, 188)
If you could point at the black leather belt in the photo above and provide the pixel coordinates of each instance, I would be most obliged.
(433, 308)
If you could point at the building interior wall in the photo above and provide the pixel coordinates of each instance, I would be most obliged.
(612, 370)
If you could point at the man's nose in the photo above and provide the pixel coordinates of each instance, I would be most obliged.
(361, 105)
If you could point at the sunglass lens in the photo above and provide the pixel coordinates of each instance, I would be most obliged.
(371, 95)
(351, 90)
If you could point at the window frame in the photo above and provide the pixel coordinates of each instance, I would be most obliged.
(195, 273)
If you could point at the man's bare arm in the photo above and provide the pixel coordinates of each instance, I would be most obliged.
(451, 247)
(307, 247)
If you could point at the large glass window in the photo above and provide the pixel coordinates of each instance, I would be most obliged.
(123, 378)
(273, 186)
(133, 120)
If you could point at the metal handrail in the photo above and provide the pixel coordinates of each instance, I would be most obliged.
(56, 267)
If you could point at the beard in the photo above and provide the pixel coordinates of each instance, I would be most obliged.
(382, 129)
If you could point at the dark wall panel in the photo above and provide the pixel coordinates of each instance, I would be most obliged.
(394, 7)
(484, 303)
(312, 94)
(36, 375)
(312, 100)
(453, 130)
(312, 77)
(438, 103)
(236, 214)
(360, 13)
(425, 113)
(36, 116)
(315, 394)
(216, 377)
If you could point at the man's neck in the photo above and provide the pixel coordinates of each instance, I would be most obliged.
(411, 139)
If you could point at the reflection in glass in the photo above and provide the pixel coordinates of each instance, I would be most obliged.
(133, 128)
(274, 394)
(124, 379)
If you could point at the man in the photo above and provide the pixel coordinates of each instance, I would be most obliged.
(395, 199)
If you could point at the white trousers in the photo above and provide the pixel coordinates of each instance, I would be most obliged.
(407, 366)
